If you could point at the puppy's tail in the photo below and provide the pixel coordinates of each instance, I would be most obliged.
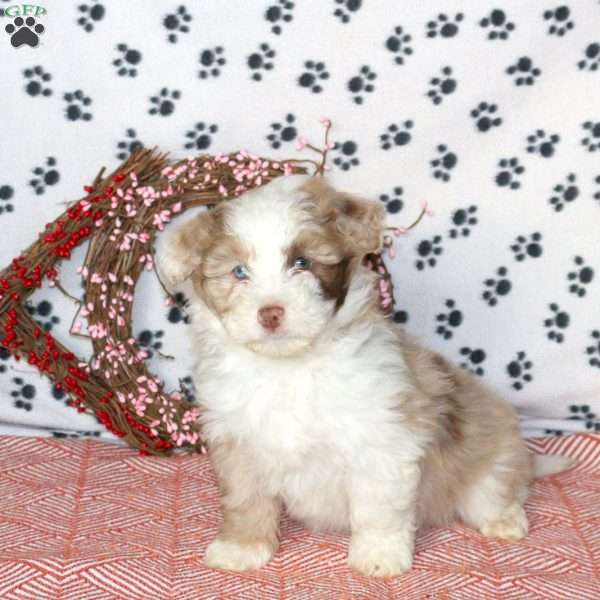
(550, 464)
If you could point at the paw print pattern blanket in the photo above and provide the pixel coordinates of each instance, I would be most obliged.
(487, 111)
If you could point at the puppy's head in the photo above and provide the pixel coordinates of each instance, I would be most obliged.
(275, 264)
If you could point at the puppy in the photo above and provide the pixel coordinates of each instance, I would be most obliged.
(313, 400)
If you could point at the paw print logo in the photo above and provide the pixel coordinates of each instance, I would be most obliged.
(127, 61)
(177, 23)
(346, 155)
(362, 83)
(24, 32)
(496, 286)
(428, 250)
(399, 45)
(36, 80)
(582, 412)
(260, 61)
(485, 116)
(527, 246)
(396, 135)
(314, 75)
(449, 320)
(499, 25)
(279, 13)
(187, 389)
(128, 145)
(200, 138)
(212, 61)
(463, 220)
(283, 132)
(346, 8)
(559, 20)
(443, 164)
(591, 59)
(542, 143)
(591, 141)
(524, 72)
(164, 102)
(580, 277)
(45, 175)
(441, 86)
(77, 102)
(593, 350)
(177, 312)
(90, 15)
(22, 394)
(444, 26)
(508, 175)
(558, 321)
(400, 317)
(150, 341)
(564, 193)
(393, 202)
(6, 194)
(43, 311)
(474, 360)
(518, 370)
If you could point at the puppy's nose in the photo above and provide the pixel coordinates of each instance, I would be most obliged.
(271, 317)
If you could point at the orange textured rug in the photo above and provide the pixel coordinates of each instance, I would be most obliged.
(89, 520)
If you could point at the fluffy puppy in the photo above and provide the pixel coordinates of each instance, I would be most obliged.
(312, 400)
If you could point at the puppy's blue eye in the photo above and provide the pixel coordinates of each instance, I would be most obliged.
(302, 263)
(240, 272)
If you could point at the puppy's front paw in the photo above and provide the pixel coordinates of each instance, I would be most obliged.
(381, 555)
(235, 556)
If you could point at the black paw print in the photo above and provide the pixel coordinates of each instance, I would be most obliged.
(449, 320)
(46, 175)
(524, 71)
(592, 136)
(524, 247)
(43, 310)
(399, 44)
(510, 169)
(212, 60)
(564, 192)
(428, 250)
(76, 101)
(499, 286)
(518, 369)
(400, 317)
(591, 62)
(393, 201)
(500, 26)
(474, 360)
(24, 32)
(281, 12)
(58, 393)
(346, 152)
(485, 116)
(593, 351)
(345, 9)
(582, 412)
(23, 394)
(441, 86)
(580, 278)
(260, 61)
(560, 21)
(128, 145)
(200, 137)
(74, 435)
(542, 144)
(90, 15)
(443, 164)
(177, 22)
(127, 61)
(6, 194)
(150, 341)
(396, 135)
(558, 320)
(444, 26)
(283, 132)
(463, 220)
(597, 194)
(362, 83)
(177, 312)
(314, 75)
(187, 388)
(4, 357)
(35, 81)
(164, 102)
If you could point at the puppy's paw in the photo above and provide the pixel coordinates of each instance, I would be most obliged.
(235, 556)
(381, 555)
(512, 525)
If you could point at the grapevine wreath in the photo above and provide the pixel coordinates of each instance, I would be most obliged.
(120, 216)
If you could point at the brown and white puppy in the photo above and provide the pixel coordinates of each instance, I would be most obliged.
(313, 400)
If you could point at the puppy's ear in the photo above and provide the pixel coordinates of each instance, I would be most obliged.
(359, 221)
